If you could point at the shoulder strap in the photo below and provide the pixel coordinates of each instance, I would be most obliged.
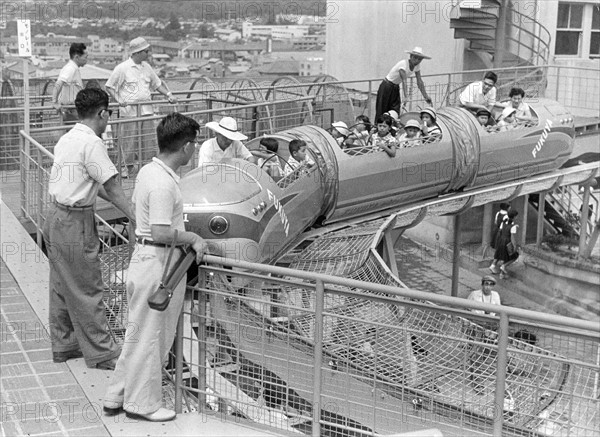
(171, 250)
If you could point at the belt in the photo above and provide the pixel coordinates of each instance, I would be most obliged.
(146, 242)
(389, 81)
(73, 208)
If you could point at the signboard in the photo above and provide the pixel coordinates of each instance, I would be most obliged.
(24, 38)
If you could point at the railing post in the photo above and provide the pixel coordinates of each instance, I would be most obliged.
(584, 220)
(201, 339)
(456, 255)
(525, 215)
(318, 357)
(487, 228)
(23, 173)
(449, 88)
(557, 82)
(501, 374)
(179, 364)
(540, 218)
(40, 198)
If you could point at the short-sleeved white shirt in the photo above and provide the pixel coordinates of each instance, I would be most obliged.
(81, 165)
(70, 76)
(211, 152)
(478, 296)
(157, 199)
(473, 93)
(523, 110)
(394, 74)
(134, 83)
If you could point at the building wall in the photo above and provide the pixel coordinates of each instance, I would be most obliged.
(365, 39)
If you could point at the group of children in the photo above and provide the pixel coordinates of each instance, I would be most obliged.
(269, 160)
(385, 136)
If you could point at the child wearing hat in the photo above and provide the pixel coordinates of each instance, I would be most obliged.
(411, 135)
(340, 131)
(430, 130)
(507, 120)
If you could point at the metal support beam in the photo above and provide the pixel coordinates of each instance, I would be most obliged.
(456, 255)
(388, 247)
(318, 357)
(540, 218)
(500, 40)
(584, 219)
(501, 364)
(524, 219)
(487, 228)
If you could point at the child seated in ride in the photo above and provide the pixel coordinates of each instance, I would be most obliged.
(268, 159)
(298, 157)
(431, 132)
(360, 133)
(483, 117)
(383, 139)
(340, 131)
(411, 135)
(507, 120)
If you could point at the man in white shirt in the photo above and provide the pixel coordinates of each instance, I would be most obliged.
(226, 144)
(81, 171)
(69, 83)
(388, 94)
(481, 94)
(130, 83)
(486, 294)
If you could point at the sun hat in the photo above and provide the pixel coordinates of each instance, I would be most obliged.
(418, 51)
(412, 123)
(483, 111)
(488, 278)
(341, 127)
(137, 45)
(227, 127)
(392, 113)
(429, 110)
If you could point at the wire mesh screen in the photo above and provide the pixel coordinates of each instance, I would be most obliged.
(388, 364)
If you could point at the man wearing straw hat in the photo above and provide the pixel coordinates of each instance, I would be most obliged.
(131, 82)
(226, 144)
(388, 94)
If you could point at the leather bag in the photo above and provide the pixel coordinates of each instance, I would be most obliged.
(159, 300)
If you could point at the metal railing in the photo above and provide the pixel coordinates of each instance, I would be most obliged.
(318, 354)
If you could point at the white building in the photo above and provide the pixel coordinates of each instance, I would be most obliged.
(250, 30)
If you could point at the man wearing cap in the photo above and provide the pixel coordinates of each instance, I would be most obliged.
(388, 94)
(226, 144)
(481, 94)
(486, 294)
(132, 82)
(69, 83)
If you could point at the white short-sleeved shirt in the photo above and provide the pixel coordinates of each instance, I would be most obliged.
(473, 93)
(478, 296)
(523, 110)
(81, 165)
(134, 83)
(394, 74)
(211, 152)
(70, 76)
(157, 199)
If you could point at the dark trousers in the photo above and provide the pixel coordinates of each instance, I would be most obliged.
(77, 317)
(388, 98)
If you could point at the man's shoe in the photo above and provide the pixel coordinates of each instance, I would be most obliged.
(108, 364)
(160, 415)
(112, 408)
(61, 357)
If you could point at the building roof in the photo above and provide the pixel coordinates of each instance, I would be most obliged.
(281, 67)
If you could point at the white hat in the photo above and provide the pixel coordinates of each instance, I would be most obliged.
(341, 127)
(507, 112)
(227, 127)
(392, 113)
(429, 110)
(418, 51)
(412, 123)
(137, 45)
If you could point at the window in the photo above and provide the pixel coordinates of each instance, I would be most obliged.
(569, 28)
(595, 38)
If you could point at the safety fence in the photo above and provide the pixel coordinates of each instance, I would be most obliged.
(322, 355)
(333, 100)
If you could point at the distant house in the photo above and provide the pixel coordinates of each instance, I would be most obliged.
(228, 35)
